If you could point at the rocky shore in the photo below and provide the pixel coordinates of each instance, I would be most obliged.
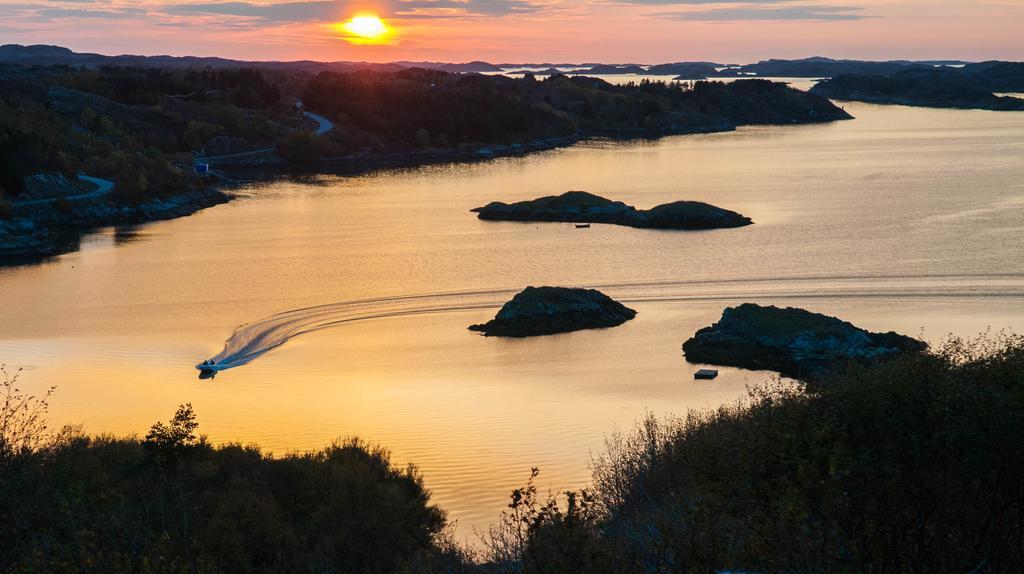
(549, 310)
(795, 342)
(583, 207)
(34, 235)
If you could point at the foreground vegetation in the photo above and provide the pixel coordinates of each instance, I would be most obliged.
(171, 502)
(912, 465)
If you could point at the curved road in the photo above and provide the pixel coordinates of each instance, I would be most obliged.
(324, 125)
(103, 187)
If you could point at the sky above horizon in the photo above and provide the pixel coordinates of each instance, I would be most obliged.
(518, 31)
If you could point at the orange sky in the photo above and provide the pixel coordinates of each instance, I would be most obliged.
(614, 31)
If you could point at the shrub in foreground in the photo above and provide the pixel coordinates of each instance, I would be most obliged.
(914, 465)
(174, 503)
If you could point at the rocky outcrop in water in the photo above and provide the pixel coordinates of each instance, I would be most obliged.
(795, 342)
(548, 310)
(583, 207)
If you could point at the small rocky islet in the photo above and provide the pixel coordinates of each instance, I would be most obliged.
(549, 310)
(795, 342)
(584, 207)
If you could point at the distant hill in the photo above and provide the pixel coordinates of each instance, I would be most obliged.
(819, 67)
(42, 55)
(998, 76)
(815, 67)
(467, 68)
(610, 69)
(970, 87)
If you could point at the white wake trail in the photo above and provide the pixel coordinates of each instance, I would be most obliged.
(259, 337)
(252, 340)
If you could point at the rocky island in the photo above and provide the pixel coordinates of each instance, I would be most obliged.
(584, 207)
(795, 342)
(549, 310)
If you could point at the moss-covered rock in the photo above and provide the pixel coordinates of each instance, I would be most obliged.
(584, 207)
(548, 310)
(794, 342)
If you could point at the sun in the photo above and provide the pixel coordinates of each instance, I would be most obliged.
(365, 29)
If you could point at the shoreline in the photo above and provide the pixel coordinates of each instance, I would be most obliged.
(365, 162)
(40, 235)
(963, 105)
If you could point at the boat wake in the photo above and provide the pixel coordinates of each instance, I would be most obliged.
(255, 339)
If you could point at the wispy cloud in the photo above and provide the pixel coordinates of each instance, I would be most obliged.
(70, 9)
(280, 12)
(766, 13)
(330, 10)
(739, 10)
(121, 12)
(235, 13)
(481, 7)
(699, 2)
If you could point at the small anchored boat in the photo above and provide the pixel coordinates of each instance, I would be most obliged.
(582, 226)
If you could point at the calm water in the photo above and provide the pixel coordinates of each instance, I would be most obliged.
(906, 219)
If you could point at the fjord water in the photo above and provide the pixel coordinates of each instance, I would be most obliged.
(903, 219)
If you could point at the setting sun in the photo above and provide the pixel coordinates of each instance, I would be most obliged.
(365, 29)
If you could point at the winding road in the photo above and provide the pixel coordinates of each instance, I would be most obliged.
(324, 125)
(103, 187)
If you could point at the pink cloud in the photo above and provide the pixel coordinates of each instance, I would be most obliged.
(523, 30)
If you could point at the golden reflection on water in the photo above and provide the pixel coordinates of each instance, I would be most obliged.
(904, 219)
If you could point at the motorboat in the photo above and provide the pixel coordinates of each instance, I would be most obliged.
(208, 369)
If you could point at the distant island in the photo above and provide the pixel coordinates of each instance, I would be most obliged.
(795, 342)
(548, 310)
(820, 67)
(583, 207)
(971, 87)
(688, 70)
(814, 67)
